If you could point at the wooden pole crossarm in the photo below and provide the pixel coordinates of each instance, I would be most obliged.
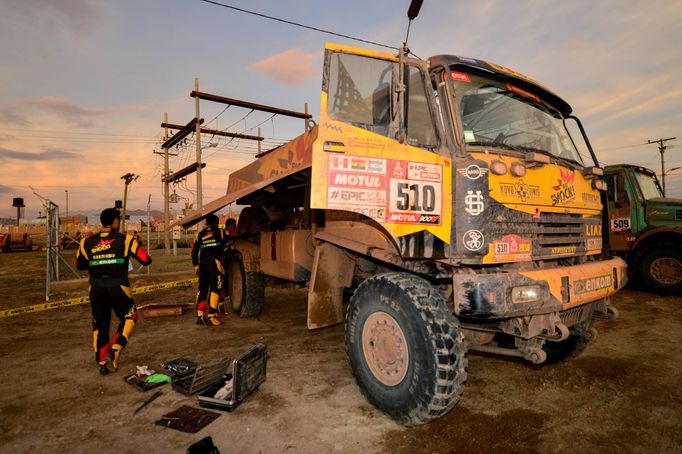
(216, 132)
(249, 105)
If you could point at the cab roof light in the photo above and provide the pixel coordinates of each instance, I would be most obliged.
(518, 169)
(498, 167)
(599, 185)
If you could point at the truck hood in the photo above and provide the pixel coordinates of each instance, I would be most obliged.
(664, 211)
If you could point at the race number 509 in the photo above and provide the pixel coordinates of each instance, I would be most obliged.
(620, 224)
(415, 197)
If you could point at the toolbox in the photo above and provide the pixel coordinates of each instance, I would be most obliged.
(247, 372)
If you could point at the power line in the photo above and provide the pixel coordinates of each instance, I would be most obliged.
(297, 24)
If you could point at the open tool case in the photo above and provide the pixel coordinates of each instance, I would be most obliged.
(247, 372)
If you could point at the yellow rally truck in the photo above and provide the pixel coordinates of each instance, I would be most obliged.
(448, 196)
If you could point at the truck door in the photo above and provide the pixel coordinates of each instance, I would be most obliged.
(620, 201)
(358, 163)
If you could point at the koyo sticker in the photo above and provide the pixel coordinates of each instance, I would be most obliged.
(459, 76)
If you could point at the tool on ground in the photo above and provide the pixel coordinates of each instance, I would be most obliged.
(148, 401)
(187, 419)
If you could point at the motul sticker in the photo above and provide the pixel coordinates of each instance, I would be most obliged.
(620, 224)
(512, 248)
(460, 77)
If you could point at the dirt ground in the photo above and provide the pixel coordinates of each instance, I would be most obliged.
(622, 395)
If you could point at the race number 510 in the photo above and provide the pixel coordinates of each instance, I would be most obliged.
(416, 197)
(620, 224)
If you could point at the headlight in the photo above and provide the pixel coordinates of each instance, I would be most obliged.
(526, 294)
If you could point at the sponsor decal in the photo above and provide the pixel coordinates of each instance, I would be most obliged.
(472, 61)
(561, 250)
(472, 172)
(459, 76)
(469, 136)
(397, 191)
(103, 245)
(473, 240)
(590, 199)
(592, 284)
(521, 190)
(593, 243)
(593, 229)
(473, 202)
(620, 224)
(564, 191)
(512, 247)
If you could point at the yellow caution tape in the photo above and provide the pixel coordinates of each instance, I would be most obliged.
(85, 299)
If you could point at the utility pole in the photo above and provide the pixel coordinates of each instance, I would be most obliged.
(198, 142)
(662, 148)
(128, 178)
(166, 195)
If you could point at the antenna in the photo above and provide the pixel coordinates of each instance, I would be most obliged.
(412, 13)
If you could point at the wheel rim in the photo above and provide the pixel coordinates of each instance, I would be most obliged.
(666, 270)
(236, 289)
(385, 348)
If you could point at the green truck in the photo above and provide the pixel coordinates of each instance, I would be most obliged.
(644, 227)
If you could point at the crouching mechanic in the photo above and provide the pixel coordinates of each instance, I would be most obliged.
(106, 256)
(207, 259)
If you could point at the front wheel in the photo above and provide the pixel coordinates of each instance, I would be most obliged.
(405, 348)
(660, 269)
(246, 290)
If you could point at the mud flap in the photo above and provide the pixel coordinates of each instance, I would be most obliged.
(332, 272)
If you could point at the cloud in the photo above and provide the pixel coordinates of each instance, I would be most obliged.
(291, 67)
(47, 155)
(9, 117)
(65, 109)
(5, 189)
(78, 16)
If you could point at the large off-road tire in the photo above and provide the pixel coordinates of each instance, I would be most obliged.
(405, 348)
(659, 268)
(245, 289)
(579, 338)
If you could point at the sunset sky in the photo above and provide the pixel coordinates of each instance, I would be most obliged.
(84, 83)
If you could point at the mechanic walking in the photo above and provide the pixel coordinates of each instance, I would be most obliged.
(207, 259)
(106, 256)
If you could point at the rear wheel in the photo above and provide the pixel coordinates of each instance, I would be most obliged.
(660, 268)
(405, 348)
(246, 290)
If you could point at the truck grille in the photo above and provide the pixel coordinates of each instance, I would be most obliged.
(572, 317)
(559, 235)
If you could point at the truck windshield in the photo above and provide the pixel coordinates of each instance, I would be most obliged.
(648, 185)
(495, 113)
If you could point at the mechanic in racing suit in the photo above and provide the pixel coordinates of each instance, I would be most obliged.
(106, 256)
(207, 258)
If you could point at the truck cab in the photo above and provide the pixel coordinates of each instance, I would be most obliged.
(644, 227)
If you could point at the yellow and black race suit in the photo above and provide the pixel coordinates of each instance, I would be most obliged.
(207, 259)
(106, 256)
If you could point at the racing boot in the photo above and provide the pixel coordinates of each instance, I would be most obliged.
(213, 312)
(103, 369)
(213, 320)
(115, 355)
(201, 312)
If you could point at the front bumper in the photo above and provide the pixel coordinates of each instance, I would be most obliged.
(558, 289)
